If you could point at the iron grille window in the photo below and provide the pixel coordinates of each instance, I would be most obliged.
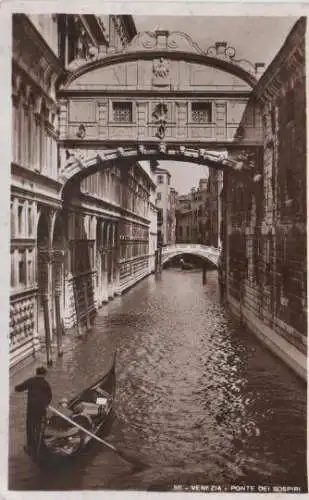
(201, 112)
(122, 112)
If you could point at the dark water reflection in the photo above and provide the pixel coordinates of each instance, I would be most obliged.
(197, 395)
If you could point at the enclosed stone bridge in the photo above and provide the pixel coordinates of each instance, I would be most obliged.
(210, 254)
(161, 97)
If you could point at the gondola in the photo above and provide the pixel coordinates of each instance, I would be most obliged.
(90, 409)
(186, 266)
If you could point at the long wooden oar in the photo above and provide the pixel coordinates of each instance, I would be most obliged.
(123, 455)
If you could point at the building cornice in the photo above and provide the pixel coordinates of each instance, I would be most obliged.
(40, 198)
(36, 177)
(23, 26)
(290, 56)
(159, 170)
(26, 78)
(86, 201)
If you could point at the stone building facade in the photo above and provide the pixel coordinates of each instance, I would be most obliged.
(173, 196)
(192, 221)
(165, 203)
(265, 213)
(68, 254)
(153, 216)
(214, 208)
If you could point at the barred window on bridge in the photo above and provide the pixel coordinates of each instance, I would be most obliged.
(122, 112)
(201, 112)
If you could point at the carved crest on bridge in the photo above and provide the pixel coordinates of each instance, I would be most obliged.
(161, 72)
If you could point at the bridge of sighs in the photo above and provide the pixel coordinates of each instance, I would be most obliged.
(162, 97)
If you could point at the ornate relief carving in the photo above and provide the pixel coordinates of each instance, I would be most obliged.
(77, 157)
(143, 40)
(160, 116)
(73, 158)
(161, 72)
(221, 50)
(22, 316)
(81, 132)
(178, 40)
(175, 40)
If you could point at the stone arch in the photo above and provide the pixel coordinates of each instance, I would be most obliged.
(43, 230)
(81, 164)
(210, 260)
(207, 253)
(58, 230)
(58, 275)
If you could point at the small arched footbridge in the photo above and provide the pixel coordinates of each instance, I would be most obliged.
(210, 254)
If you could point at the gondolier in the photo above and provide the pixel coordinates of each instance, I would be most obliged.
(39, 397)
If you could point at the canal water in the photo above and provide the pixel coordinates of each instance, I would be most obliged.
(198, 397)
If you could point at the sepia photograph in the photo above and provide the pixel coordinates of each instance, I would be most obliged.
(158, 249)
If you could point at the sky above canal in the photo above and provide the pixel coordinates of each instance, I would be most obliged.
(255, 38)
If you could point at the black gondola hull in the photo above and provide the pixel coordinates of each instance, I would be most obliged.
(60, 440)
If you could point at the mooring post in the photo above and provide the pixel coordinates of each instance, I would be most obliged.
(204, 275)
(88, 323)
(59, 331)
(45, 303)
(78, 320)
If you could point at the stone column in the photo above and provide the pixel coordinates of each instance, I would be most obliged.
(225, 264)
(108, 260)
(26, 219)
(116, 262)
(99, 273)
(181, 119)
(58, 268)
(113, 254)
(105, 263)
(45, 277)
(15, 218)
(142, 117)
(103, 118)
(63, 119)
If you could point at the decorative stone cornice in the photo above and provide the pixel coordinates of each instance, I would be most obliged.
(33, 55)
(169, 45)
(290, 60)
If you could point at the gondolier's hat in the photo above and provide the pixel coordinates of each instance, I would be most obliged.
(41, 370)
